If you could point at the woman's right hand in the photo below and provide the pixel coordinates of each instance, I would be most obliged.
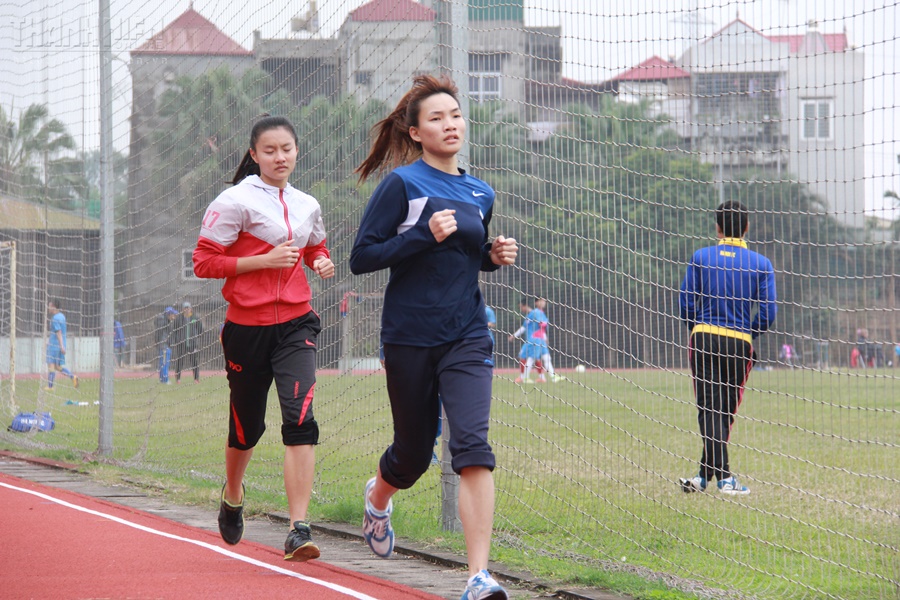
(442, 224)
(283, 256)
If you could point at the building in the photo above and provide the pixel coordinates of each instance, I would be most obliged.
(384, 43)
(57, 257)
(156, 229)
(791, 104)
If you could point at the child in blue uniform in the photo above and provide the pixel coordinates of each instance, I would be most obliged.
(428, 223)
(56, 346)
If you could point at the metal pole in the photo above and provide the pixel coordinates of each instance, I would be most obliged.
(453, 54)
(13, 318)
(107, 236)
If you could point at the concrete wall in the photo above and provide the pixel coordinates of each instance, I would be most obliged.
(82, 355)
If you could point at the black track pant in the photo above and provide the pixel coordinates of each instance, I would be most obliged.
(720, 365)
(255, 357)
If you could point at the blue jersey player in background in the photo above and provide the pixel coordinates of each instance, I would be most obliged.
(57, 346)
(536, 348)
(727, 300)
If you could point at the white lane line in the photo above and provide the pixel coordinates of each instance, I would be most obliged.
(333, 586)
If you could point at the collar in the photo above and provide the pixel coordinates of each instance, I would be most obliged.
(733, 242)
(257, 181)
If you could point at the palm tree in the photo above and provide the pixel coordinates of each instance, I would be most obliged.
(30, 148)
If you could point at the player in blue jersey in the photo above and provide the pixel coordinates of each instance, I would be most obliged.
(491, 317)
(727, 300)
(535, 348)
(57, 346)
(427, 222)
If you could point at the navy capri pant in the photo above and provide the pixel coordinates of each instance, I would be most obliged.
(460, 373)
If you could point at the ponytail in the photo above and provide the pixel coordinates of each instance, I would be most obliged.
(247, 167)
(393, 145)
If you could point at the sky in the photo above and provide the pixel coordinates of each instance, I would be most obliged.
(600, 39)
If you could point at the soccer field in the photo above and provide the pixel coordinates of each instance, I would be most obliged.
(587, 472)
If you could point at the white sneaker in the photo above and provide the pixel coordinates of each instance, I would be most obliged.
(733, 487)
(377, 525)
(481, 586)
(697, 483)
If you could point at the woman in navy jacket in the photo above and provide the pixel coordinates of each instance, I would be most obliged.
(428, 223)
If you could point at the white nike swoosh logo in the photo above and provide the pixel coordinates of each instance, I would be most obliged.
(476, 194)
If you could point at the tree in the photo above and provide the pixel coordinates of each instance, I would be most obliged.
(91, 169)
(31, 150)
(807, 247)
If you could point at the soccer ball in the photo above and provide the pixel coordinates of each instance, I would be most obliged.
(580, 369)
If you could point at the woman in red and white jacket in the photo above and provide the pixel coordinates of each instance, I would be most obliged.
(257, 235)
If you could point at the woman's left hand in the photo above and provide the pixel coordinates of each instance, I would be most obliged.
(324, 267)
(504, 251)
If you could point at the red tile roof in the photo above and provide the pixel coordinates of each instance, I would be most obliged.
(392, 10)
(652, 69)
(191, 34)
(836, 42)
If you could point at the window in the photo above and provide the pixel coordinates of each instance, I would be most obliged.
(484, 76)
(816, 119)
(187, 265)
(364, 78)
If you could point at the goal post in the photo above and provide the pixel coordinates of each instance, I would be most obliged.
(8, 320)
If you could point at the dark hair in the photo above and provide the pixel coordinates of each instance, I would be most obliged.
(55, 303)
(249, 166)
(393, 146)
(732, 218)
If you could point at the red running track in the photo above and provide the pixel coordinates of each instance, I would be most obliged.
(60, 544)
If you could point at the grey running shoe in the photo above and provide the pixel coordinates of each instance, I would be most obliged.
(299, 546)
(231, 519)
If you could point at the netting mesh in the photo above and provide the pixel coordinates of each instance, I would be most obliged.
(610, 131)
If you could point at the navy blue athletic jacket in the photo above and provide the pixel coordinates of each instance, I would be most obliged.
(432, 296)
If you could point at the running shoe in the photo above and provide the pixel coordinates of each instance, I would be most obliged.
(733, 487)
(231, 519)
(299, 546)
(696, 483)
(481, 586)
(377, 525)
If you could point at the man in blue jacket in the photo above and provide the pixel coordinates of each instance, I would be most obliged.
(727, 300)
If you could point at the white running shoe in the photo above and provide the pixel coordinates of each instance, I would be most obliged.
(481, 586)
(733, 487)
(377, 526)
(697, 483)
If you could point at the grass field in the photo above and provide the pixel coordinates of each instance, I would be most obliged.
(586, 477)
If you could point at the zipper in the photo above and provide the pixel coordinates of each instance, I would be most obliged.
(287, 223)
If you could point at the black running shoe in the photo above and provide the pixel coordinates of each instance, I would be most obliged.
(231, 519)
(299, 546)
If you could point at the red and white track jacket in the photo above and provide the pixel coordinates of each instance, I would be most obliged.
(250, 219)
